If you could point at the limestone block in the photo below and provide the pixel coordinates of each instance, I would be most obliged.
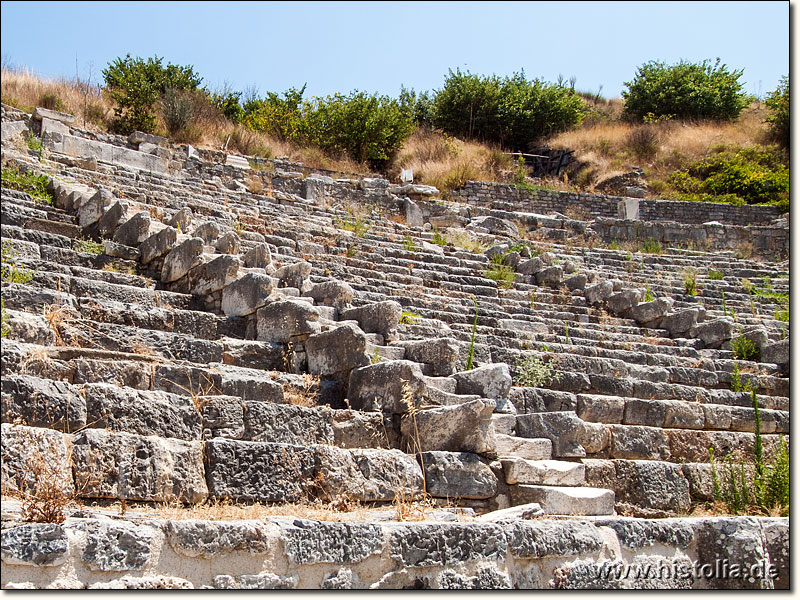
(246, 295)
(41, 113)
(356, 429)
(38, 402)
(293, 275)
(118, 546)
(636, 442)
(116, 214)
(228, 243)
(777, 353)
(207, 231)
(287, 424)
(93, 208)
(211, 276)
(338, 350)
(542, 472)
(380, 317)
(652, 484)
(713, 333)
(36, 545)
(380, 386)
(598, 292)
(543, 539)
(462, 428)
(445, 544)
(124, 465)
(600, 409)
(576, 282)
(530, 266)
(489, 381)
(31, 455)
(623, 301)
(223, 416)
(458, 475)
(181, 220)
(681, 322)
(284, 320)
(652, 312)
(158, 245)
(551, 276)
(181, 259)
(530, 449)
(257, 257)
(331, 293)
(440, 354)
(312, 542)
(561, 428)
(563, 500)
(414, 214)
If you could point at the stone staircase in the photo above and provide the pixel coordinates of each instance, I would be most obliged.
(183, 339)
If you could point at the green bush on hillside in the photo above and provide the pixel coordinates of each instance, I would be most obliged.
(733, 175)
(136, 85)
(778, 103)
(685, 90)
(512, 111)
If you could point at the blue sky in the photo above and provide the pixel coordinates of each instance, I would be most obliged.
(377, 46)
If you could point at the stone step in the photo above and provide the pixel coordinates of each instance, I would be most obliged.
(542, 472)
(563, 500)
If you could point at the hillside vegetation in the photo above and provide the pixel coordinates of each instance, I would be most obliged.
(709, 142)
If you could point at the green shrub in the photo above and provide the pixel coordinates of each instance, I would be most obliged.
(30, 183)
(778, 103)
(438, 238)
(715, 275)
(502, 274)
(10, 272)
(651, 246)
(408, 318)
(534, 372)
(355, 223)
(136, 86)
(755, 485)
(177, 109)
(88, 246)
(229, 104)
(690, 282)
(51, 101)
(408, 243)
(277, 116)
(512, 111)
(744, 175)
(685, 90)
(736, 380)
(744, 348)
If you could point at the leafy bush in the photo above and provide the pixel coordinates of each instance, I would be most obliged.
(136, 85)
(30, 183)
(177, 110)
(749, 175)
(512, 111)
(9, 271)
(51, 101)
(690, 282)
(280, 117)
(778, 103)
(229, 104)
(651, 246)
(744, 348)
(534, 372)
(502, 274)
(715, 275)
(685, 90)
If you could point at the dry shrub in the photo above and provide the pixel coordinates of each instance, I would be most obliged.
(304, 394)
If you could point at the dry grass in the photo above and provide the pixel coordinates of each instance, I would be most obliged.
(609, 148)
(448, 163)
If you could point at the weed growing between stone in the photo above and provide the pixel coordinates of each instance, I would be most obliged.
(534, 372)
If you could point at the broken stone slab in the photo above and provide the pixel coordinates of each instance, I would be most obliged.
(439, 354)
(534, 539)
(713, 333)
(284, 320)
(489, 381)
(38, 402)
(337, 351)
(542, 472)
(600, 409)
(120, 251)
(380, 317)
(214, 275)
(562, 428)
(246, 295)
(623, 301)
(550, 276)
(158, 245)
(331, 293)
(495, 226)
(41, 113)
(380, 387)
(293, 276)
(133, 467)
(258, 256)
(639, 442)
(308, 542)
(32, 456)
(458, 475)
(776, 353)
(287, 424)
(261, 581)
(141, 412)
(228, 243)
(93, 207)
(462, 428)
(442, 544)
(414, 215)
(207, 231)
(116, 546)
(35, 545)
(366, 474)
(529, 267)
(181, 220)
(181, 259)
(652, 312)
(565, 500)
(527, 448)
(598, 292)
(681, 322)
(134, 231)
(652, 484)
(116, 214)
(513, 513)
(223, 416)
(576, 282)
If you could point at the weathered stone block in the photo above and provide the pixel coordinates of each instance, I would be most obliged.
(181, 259)
(281, 321)
(458, 475)
(462, 428)
(338, 350)
(246, 294)
(38, 402)
(380, 386)
(490, 381)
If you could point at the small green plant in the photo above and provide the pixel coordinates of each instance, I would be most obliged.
(503, 275)
(566, 332)
(11, 273)
(648, 295)
(614, 245)
(782, 315)
(744, 348)
(471, 355)
(651, 246)
(438, 238)
(408, 318)
(715, 275)
(690, 282)
(30, 183)
(534, 372)
(725, 307)
(376, 357)
(33, 143)
(761, 486)
(736, 380)
(352, 250)
(355, 223)
(88, 246)
(408, 243)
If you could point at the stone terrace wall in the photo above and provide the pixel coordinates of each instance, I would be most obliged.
(510, 197)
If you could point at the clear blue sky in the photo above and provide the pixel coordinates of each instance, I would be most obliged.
(377, 46)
